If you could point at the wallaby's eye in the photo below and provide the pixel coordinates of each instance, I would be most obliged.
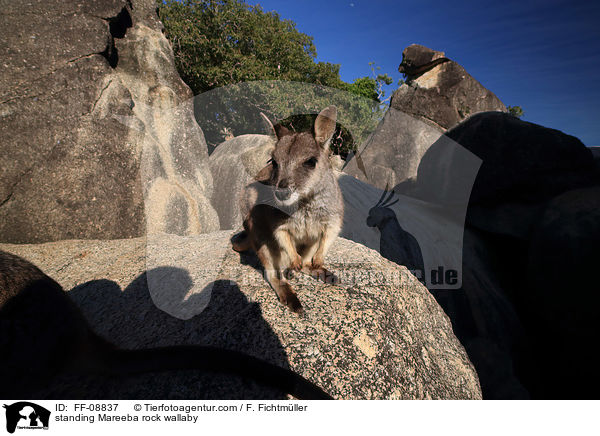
(310, 163)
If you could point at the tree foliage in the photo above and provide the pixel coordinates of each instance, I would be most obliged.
(220, 43)
(515, 111)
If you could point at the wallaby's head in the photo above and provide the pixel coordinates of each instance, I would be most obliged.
(301, 160)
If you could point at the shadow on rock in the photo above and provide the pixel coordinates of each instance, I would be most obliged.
(130, 319)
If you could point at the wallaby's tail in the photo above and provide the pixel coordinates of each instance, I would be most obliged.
(123, 362)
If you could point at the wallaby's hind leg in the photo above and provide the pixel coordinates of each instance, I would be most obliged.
(314, 269)
(317, 269)
(329, 234)
(285, 241)
(307, 256)
(275, 277)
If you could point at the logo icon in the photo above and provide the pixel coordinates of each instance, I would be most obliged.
(26, 415)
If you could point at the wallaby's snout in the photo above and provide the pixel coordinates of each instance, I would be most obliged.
(284, 187)
(283, 194)
(292, 177)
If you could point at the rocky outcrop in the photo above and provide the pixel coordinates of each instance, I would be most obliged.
(523, 166)
(531, 300)
(94, 120)
(438, 90)
(418, 59)
(526, 197)
(392, 153)
(437, 95)
(234, 163)
(560, 305)
(482, 315)
(377, 335)
(530, 218)
(596, 154)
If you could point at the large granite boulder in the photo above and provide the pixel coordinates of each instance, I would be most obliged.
(94, 120)
(523, 166)
(417, 59)
(596, 154)
(521, 161)
(526, 196)
(439, 90)
(482, 314)
(379, 334)
(560, 306)
(392, 153)
(234, 163)
(437, 95)
(531, 217)
(503, 169)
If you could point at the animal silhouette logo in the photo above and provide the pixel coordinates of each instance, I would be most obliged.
(26, 415)
(396, 244)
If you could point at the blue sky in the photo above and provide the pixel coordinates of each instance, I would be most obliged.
(541, 55)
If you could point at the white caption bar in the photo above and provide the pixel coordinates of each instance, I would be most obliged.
(299, 417)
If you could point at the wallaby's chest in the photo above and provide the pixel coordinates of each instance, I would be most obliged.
(306, 225)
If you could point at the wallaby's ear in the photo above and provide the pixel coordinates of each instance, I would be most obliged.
(325, 126)
(281, 131)
(274, 130)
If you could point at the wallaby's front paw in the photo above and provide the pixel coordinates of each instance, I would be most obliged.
(296, 263)
(317, 263)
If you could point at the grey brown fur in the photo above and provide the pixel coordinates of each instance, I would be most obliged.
(294, 211)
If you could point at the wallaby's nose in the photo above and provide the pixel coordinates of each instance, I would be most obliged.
(283, 194)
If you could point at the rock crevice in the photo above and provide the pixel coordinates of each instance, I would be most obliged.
(117, 26)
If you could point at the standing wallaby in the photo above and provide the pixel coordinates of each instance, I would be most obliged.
(43, 334)
(294, 211)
